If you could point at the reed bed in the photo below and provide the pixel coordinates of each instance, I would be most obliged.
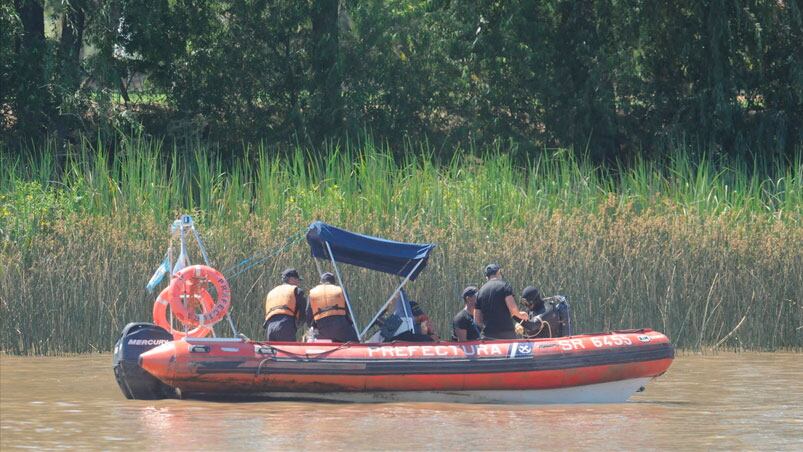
(706, 251)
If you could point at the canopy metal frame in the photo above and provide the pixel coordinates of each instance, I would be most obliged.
(408, 310)
(345, 292)
(390, 299)
(403, 260)
(361, 334)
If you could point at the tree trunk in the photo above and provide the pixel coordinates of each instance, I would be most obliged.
(32, 16)
(124, 91)
(17, 37)
(72, 36)
(32, 99)
(326, 73)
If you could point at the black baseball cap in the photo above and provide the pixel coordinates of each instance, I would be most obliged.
(327, 277)
(531, 293)
(492, 269)
(469, 291)
(290, 273)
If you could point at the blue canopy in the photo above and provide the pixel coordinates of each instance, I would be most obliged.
(396, 258)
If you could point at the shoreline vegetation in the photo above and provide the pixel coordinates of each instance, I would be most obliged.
(706, 250)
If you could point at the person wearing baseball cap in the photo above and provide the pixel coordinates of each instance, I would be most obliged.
(496, 306)
(463, 326)
(290, 276)
(328, 312)
(285, 308)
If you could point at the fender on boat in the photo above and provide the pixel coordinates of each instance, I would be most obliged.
(135, 383)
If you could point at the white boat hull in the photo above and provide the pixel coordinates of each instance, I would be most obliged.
(610, 392)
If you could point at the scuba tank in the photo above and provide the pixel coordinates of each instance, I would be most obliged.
(555, 318)
(564, 323)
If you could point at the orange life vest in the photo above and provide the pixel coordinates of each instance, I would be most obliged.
(327, 300)
(281, 300)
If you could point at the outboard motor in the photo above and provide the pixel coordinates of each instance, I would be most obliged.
(135, 382)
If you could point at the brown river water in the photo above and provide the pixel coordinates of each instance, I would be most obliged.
(723, 401)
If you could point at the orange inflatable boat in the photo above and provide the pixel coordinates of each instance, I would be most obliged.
(156, 361)
(578, 369)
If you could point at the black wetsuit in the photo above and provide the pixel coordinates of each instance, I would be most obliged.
(550, 325)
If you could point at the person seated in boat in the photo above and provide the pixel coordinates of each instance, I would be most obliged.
(423, 324)
(393, 325)
(463, 326)
(548, 316)
(285, 308)
(328, 313)
(423, 330)
(496, 306)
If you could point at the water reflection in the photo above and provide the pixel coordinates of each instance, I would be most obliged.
(725, 401)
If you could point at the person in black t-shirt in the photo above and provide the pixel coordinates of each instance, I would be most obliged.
(496, 306)
(463, 326)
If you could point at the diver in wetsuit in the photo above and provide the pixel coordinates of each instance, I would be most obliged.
(549, 317)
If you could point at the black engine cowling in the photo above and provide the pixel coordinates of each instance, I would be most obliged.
(135, 382)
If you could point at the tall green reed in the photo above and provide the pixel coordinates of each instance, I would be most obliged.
(686, 246)
(141, 177)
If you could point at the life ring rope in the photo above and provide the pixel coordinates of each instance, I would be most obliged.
(160, 316)
(198, 276)
(186, 287)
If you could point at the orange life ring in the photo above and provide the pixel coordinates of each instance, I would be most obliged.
(194, 297)
(191, 280)
(160, 314)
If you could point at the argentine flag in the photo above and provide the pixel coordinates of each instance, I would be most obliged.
(158, 275)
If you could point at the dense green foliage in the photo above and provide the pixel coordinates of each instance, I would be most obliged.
(612, 77)
(698, 249)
